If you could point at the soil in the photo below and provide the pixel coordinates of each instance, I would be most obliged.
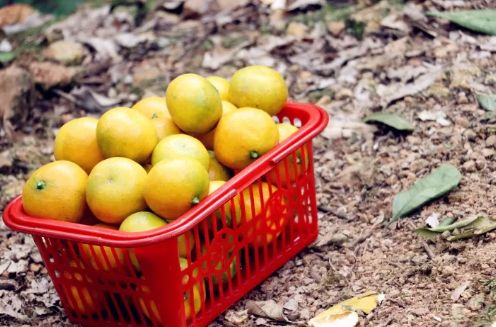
(404, 62)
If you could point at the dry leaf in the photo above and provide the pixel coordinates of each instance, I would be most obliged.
(345, 319)
(365, 302)
(267, 309)
(15, 14)
(398, 91)
(49, 75)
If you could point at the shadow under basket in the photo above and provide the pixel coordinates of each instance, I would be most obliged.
(190, 271)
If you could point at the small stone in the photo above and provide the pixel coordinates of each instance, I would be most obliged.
(462, 98)
(470, 135)
(488, 153)
(336, 28)
(344, 93)
(298, 30)
(491, 141)
(475, 303)
(469, 166)
(66, 52)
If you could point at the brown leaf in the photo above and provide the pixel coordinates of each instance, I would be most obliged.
(267, 309)
(49, 75)
(16, 93)
(15, 14)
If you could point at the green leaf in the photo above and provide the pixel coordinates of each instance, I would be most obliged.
(439, 182)
(393, 120)
(426, 233)
(479, 226)
(487, 101)
(483, 21)
(6, 57)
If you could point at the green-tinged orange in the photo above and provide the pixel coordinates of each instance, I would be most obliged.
(174, 186)
(194, 103)
(124, 132)
(115, 189)
(180, 146)
(56, 191)
(208, 138)
(243, 136)
(76, 142)
(152, 107)
(221, 85)
(260, 87)
(216, 171)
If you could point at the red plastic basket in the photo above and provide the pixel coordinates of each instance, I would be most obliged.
(228, 244)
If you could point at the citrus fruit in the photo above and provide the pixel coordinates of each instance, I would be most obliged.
(196, 292)
(152, 107)
(143, 221)
(76, 142)
(287, 171)
(180, 146)
(165, 127)
(228, 211)
(260, 87)
(194, 103)
(80, 299)
(102, 257)
(271, 223)
(221, 85)
(208, 138)
(244, 135)
(123, 132)
(155, 108)
(56, 191)
(174, 186)
(215, 169)
(115, 189)
(219, 267)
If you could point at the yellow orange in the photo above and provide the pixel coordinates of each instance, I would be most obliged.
(174, 186)
(56, 191)
(194, 103)
(76, 142)
(243, 136)
(208, 138)
(115, 189)
(221, 85)
(124, 132)
(152, 107)
(215, 169)
(260, 87)
(180, 146)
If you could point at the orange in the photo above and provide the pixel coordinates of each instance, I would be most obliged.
(270, 221)
(180, 146)
(102, 257)
(287, 171)
(244, 135)
(215, 169)
(124, 132)
(76, 142)
(152, 107)
(221, 85)
(79, 297)
(56, 191)
(197, 293)
(194, 103)
(208, 138)
(155, 108)
(115, 189)
(260, 87)
(174, 186)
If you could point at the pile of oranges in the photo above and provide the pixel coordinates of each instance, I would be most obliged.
(136, 169)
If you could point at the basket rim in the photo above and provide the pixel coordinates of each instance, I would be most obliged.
(16, 219)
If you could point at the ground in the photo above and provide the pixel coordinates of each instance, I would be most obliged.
(352, 59)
